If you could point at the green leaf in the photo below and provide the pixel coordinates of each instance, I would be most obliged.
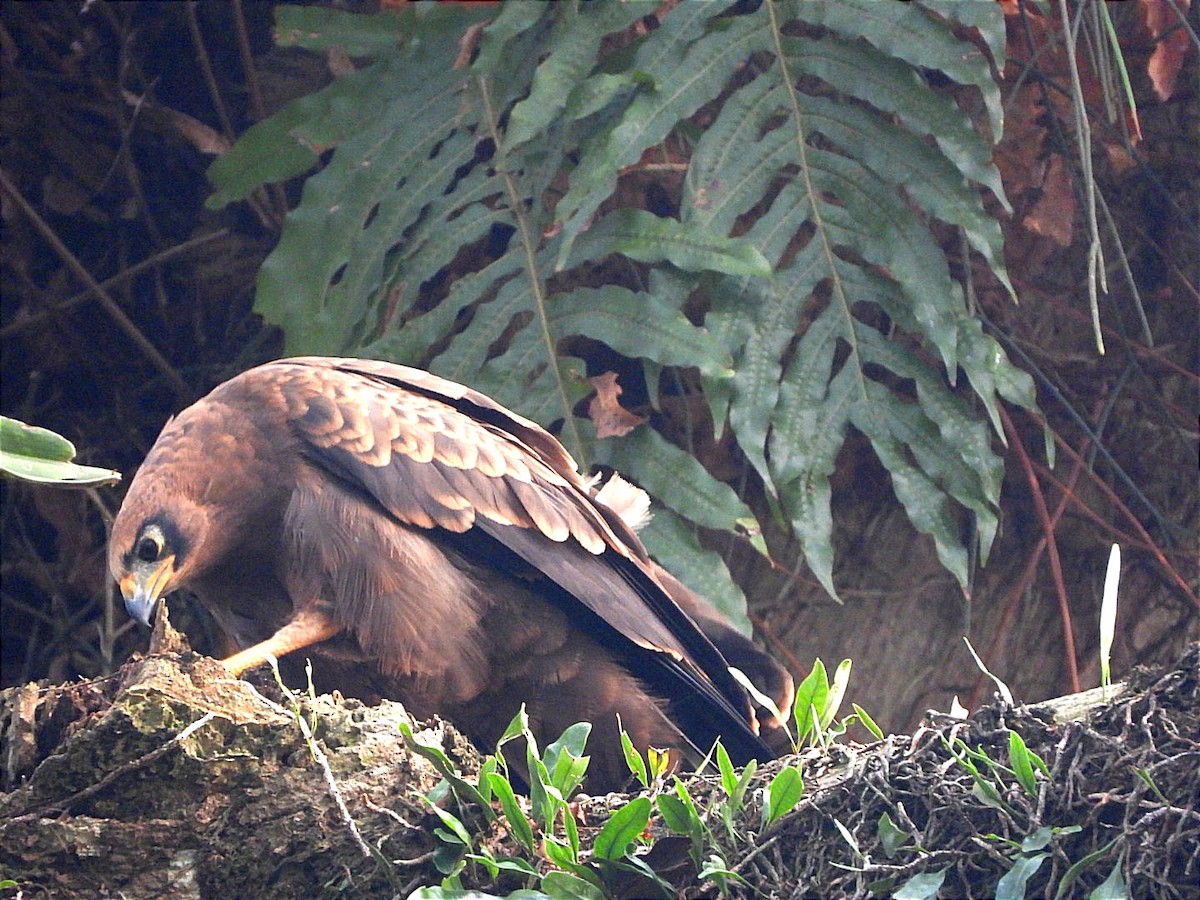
(1114, 886)
(887, 83)
(674, 477)
(681, 816)
(1019, 757)
(737, 796)
(891, 836)
(1072, 874)
(451, 821)
(1012, 885)
(673, 542)
(41, 456)
(566, 886)
(867, 721)
(783, 793)
(886, 424)
(811, 696)
(633, 759)
(729, 776)
(622, 830)
(574, 44)
(682, 69)
(837, 690)
(518, 822)
(675, 814)
(559, 852)
(907, 32)
(1038, 840)
(922, 887)
(1108, 612)
(639, 324)
(649, 238)
(564, 758)
(462, 788)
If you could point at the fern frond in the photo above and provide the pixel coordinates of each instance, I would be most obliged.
(820, 170)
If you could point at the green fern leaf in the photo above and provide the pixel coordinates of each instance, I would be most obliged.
(819, 161)
(672, 541)
(674, 477)
(684, 70)
(574, 51)
(649, 238)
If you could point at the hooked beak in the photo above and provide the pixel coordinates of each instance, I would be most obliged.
(143, 589)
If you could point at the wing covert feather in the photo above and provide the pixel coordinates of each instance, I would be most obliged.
(436, 454)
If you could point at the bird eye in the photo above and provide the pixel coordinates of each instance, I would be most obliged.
(149, 548)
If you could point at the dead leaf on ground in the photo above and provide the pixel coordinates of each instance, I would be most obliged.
(1054, 213)
(1163, 19)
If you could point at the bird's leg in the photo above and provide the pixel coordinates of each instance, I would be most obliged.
(309, 626)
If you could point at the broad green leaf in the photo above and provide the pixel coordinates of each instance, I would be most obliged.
(674, 477)
(906, 32)
(41, 456)
(518, 823)
(783, 793)
(649, 238)
(633, 759)
(517, 726)
(675, 814)
(983, 17)
(565, 761)
(512, 20)
(888, 84)
(683, 69)
(674, 544)
(319, 281)
(463, 789)
(729, 776)
(636, 324)
(574, 43)
(924, 886)
(567, 886)
(573, 741)
(621, 831)
(891, 836)
(1114, 887)
(766, 311)
(927, 506)
(455, 826)
(1039, 839)
(1019, 757)
(811, 696)
(1012, 885)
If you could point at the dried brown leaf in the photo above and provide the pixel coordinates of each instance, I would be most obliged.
(610, 417)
